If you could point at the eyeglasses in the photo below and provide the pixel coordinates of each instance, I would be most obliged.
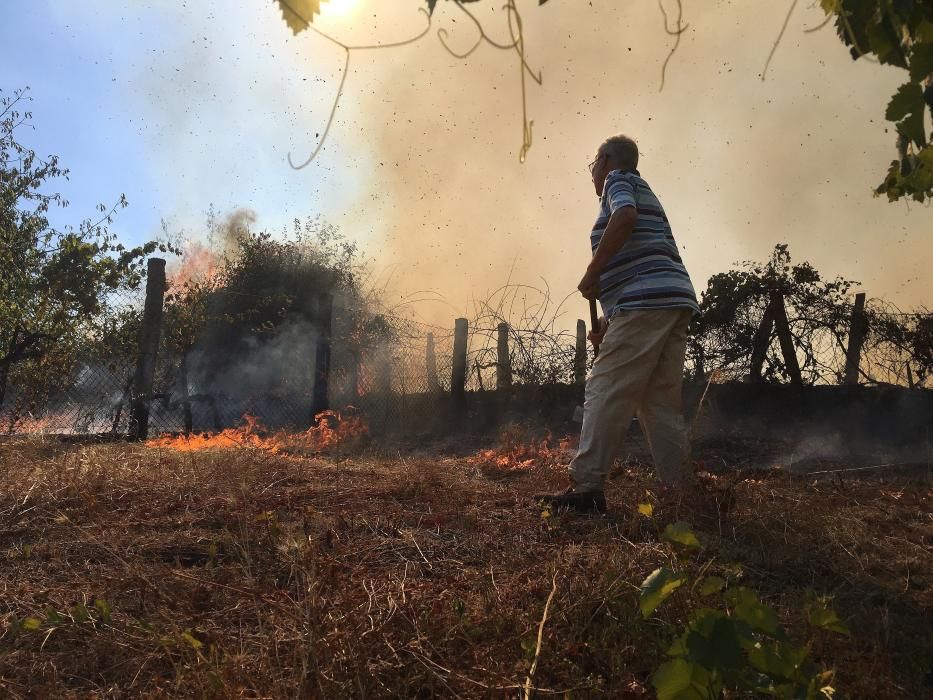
(592, 165)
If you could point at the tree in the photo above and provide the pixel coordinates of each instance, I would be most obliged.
(242, 322)
(55, 284)
(734, 304)
(737, 314)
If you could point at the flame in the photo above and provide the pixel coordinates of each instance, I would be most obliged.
(525, 455)
(251, 434)
(332, 429)
(198, 263)
(38, 424)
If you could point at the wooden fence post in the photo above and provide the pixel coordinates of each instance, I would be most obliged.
(430, 364)
(503, 361)
(760, 343)
(149, 338)
(458, 373)
(858, 326)
(579, 355)
(782, 327)
(323, 312)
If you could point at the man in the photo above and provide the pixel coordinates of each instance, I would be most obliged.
(647, 301)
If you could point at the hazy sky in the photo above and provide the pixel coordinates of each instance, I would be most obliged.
(185, 104)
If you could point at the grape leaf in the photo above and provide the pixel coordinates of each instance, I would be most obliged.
(657, 588)
(681, 680)
(299, 14)
(680, 533)
(921, 61)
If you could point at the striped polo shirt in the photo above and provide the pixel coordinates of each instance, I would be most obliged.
(648, 272)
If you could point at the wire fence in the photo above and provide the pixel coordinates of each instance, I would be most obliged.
(404, 382)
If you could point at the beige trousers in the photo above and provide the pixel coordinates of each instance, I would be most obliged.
(639, 369)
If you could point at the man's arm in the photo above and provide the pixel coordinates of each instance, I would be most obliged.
(618, 231)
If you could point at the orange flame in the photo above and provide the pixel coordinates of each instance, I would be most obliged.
(525, 455)
(331, 431)
(198, 263)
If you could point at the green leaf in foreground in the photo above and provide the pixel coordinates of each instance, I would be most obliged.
(712, 584)
(31, 624)
(103, 607)
(657, 588)
(680, 533)
(819, 614)
(750, 610)
(681, 680)
(192, 640)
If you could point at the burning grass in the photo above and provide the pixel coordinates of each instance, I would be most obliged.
(135, 571)
(332, 430)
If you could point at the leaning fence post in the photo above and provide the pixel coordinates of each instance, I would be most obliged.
(148, 349)
(320, 400)
(579, 355)
(760, 343)
(458, 373)
(503, 361)
(782, 327)
(857, 329)
(430, 364)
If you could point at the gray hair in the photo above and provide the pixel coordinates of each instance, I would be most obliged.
(621, 149)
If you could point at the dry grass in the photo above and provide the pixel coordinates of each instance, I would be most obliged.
(240, 573)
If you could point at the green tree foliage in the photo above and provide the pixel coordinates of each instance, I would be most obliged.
(55, 284)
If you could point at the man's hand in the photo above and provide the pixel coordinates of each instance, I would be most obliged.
(596, 335)
(589, 285)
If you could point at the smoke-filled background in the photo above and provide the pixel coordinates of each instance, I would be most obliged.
(184, 105)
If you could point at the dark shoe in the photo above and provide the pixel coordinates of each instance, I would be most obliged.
(581, 501)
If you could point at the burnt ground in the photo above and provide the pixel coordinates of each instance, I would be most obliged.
(420, 572)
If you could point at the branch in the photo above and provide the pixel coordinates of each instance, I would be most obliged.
(346, 69)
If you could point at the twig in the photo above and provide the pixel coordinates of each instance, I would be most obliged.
(860, 469)
(534, 664)
(676, 32)
(780, 36)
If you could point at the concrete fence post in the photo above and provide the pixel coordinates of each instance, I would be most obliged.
(858, 327)
(430, 364)
(788, 350)
(149, 338)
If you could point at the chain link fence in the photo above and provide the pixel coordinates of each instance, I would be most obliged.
(405, 382)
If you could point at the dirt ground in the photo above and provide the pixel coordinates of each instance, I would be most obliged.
(134, 571)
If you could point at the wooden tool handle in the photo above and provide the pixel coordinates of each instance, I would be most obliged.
(594, 324)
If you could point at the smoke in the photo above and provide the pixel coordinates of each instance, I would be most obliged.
(202, 255)
(421, 165)
(231, 228)
(740, 164)
(272, 378)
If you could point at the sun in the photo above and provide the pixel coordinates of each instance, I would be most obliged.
(337, 8)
